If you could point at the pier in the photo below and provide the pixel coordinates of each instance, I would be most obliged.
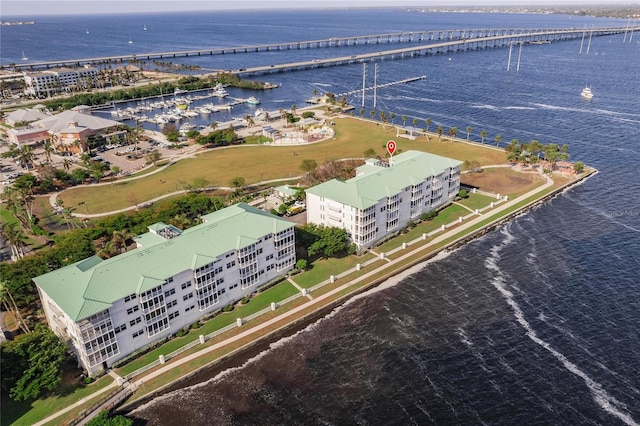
(378, 86)
(436, 41)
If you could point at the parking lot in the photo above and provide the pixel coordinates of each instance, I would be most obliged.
(114, 155)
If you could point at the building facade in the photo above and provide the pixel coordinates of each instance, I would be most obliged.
(50, 82)
(108, 309)
(67, 130)
(382, 198)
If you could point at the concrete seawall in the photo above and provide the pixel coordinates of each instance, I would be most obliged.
(240, 356)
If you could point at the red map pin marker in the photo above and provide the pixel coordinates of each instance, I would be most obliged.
(391, 147)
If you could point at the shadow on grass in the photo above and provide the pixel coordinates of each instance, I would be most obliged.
(13, 410)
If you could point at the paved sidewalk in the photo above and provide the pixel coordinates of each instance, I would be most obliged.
(76, 404)
(317, 301)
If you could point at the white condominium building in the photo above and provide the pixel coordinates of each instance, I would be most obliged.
(108, 309)
(50, 82)
(383, 198)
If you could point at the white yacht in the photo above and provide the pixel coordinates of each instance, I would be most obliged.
(587, 93)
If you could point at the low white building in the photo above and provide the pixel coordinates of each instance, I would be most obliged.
(108, 309)
(383, 198)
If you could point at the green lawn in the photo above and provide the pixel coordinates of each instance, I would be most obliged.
(322, 269)
(447, 215)
(275, 294)
(257, 162)
(30, 412)
(477, 201)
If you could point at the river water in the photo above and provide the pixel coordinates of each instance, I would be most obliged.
(536, 322)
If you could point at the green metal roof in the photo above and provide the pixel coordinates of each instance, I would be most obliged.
(373, 183)
(286, 190)
(92, 285)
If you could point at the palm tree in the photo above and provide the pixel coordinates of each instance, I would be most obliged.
(452, 133)
(48, 149)
(362, 112)
(483, 134)
(66, 164)
(266, 116)
(534, 147)
(404, 120)
(428, 123)
(469, 129)
(108, 250)
(137, 133)
(393, 116)
(294, 108)
(498, 139)
(60, 206)
(77, 145)
(372, 113)
(26, 156)
(15, 237)
(120, 239)
(414, 122)
(4, 292)
(439, 131)
(513, 146)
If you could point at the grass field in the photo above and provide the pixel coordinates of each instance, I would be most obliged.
(264, 162)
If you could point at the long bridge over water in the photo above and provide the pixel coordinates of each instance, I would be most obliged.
(429, 42)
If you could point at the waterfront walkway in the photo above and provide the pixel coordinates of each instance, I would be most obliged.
(387, 269)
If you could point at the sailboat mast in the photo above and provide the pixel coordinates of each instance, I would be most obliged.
(364, 77)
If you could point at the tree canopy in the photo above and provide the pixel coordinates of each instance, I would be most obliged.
(31, 364)
(323, 240)
(103, 419)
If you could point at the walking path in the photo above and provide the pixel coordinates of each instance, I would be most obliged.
(316, 302)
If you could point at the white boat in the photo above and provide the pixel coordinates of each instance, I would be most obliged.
(253, 100)
(24, 58)
(587, 93)
(178, 91)
(259, 112)
(130, 40)
(185, 127)
(145, 28)
(219, 91)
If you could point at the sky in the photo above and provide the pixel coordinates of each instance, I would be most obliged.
(51, 7)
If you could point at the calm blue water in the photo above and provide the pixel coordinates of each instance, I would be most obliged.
(535, 323)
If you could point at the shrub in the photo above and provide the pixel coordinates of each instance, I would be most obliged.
(429, 216)
(302, 264)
